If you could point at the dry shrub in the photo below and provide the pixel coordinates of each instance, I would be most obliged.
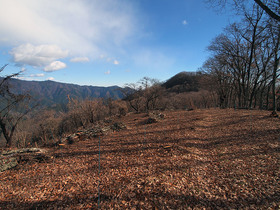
(45, 127)
(119, 108)
(48, 126)
(191, 100)
(83, 114)
(23, 134)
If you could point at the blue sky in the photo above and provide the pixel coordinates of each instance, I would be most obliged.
(108, 42)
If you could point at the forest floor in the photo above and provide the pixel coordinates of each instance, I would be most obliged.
(196, 159)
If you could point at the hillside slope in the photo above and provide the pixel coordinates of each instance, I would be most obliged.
(212, 159)
(183, 82)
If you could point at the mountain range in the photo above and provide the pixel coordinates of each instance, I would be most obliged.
(51, 94)
(55, 94)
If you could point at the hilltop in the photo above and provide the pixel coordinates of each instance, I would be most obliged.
(207, 158)
(183, 82)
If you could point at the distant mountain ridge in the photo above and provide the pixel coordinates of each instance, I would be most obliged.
(50, 93)
(56, 94)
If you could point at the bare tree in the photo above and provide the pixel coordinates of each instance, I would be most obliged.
(13, 107)
(271, 7)
(245, 56)
(272, 10)
(151, 92)
(220, 80)
(275, 44)
(144, 95)
(133, 95)
(254, 55)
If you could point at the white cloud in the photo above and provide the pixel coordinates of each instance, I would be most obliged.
(79, 59)
(21, 78)
(108, 72)
(37, 75)
(84, 28)
(28, 78)
(111, 60)
(54, 66)
(50, 78)
(184, 22)
(37, 56)
(116, 62)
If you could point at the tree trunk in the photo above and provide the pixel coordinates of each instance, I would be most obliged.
(274, 105)
(6, 134)
(261, 98)
(267, 96)
(275, 67)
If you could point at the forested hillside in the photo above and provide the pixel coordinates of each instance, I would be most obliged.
(50, 93)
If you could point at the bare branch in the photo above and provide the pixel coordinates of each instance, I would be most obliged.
(268, 10)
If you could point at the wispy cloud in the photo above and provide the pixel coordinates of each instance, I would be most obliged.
(96, 27)
(153, 59)
(29, 78)
(22, 69)
(110, 60)
(79, 59)
(36, 75)
(184, 22)
(108, 72)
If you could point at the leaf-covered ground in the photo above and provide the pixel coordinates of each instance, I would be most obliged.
(190, 159)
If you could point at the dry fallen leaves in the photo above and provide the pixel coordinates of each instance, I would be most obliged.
(200, 159)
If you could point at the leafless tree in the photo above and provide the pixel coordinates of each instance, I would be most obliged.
(13, 107)
(271, 7)
(144, 95)
(133, 96)
(220, 80)
(247, 56)
(274, 29)
(152, 91)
